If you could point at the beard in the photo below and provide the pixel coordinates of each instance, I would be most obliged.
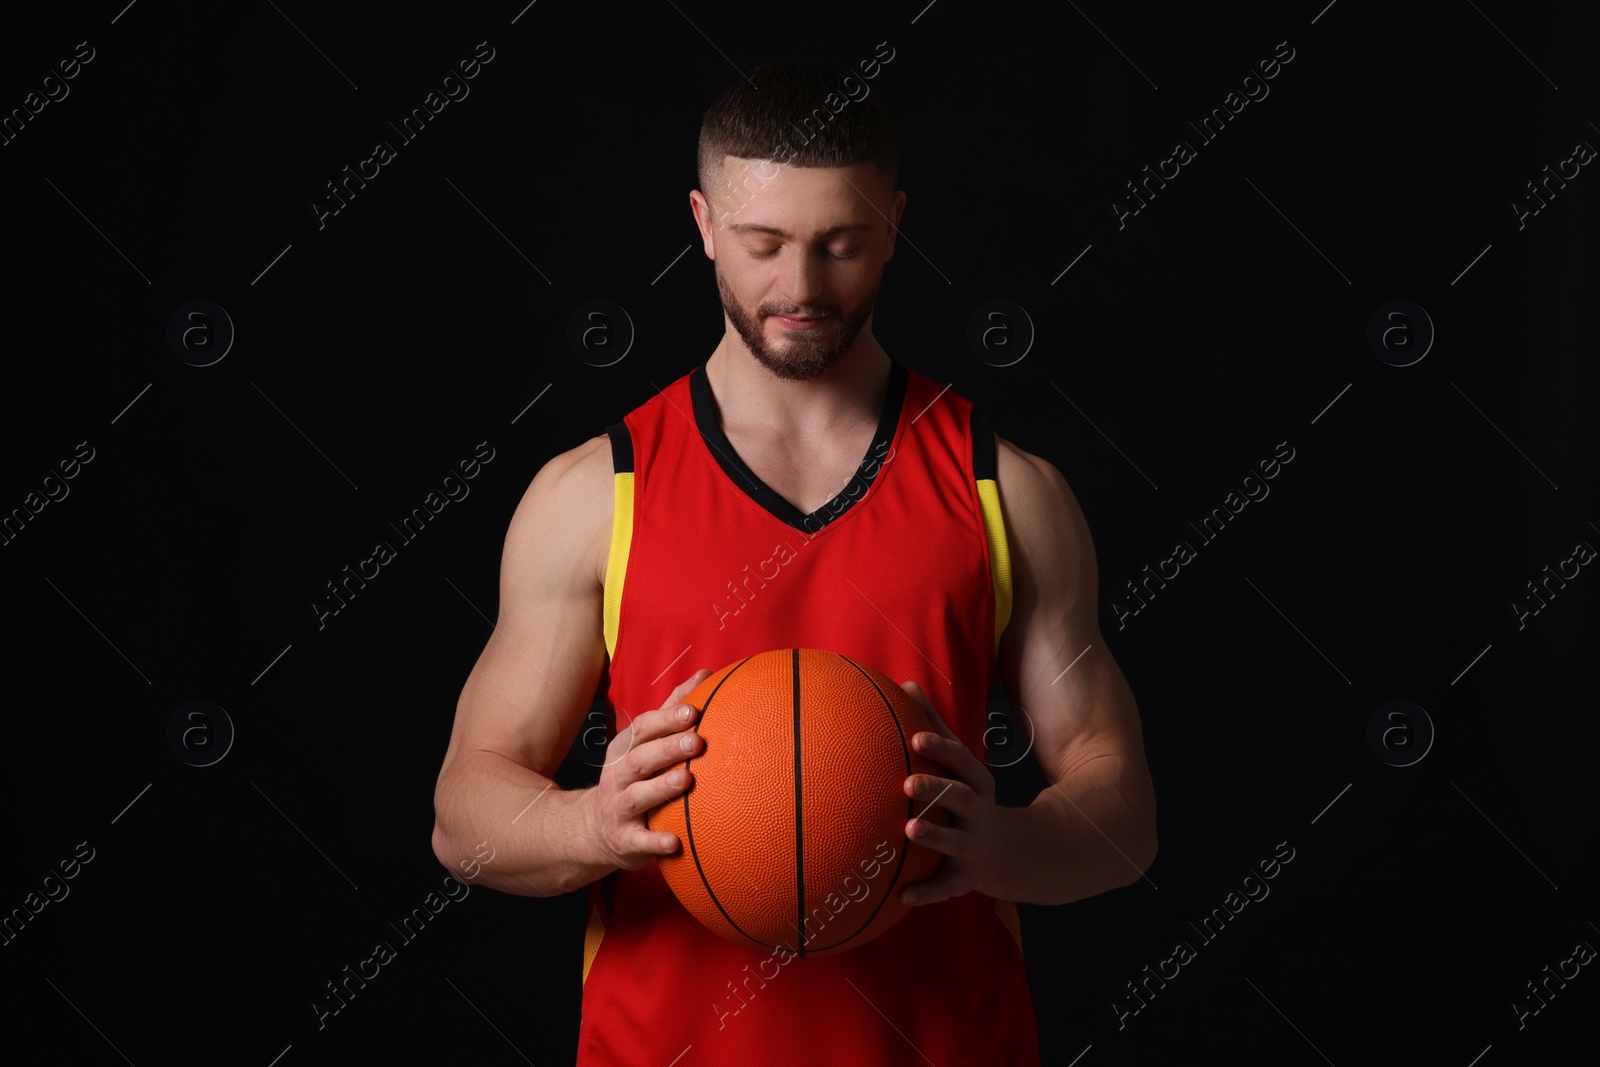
(804, 355)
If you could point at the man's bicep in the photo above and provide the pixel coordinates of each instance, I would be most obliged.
(527, 694)
(1054, 659)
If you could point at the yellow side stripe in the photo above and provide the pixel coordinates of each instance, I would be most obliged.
(617, 563)
(591, 939)
(999, 555)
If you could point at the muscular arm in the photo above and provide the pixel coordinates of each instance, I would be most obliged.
(500, 821)
(1093, 828)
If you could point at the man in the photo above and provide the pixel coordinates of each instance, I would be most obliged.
(813, 493)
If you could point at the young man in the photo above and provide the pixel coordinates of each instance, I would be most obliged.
(799, 488)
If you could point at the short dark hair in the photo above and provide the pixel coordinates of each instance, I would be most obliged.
(792, 115)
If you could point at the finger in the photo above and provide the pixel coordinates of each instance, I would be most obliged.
(948, 840)
(650, 793)
(954, 757)
(669, 719)
(941, 887)
(927, 791)
(686, 686)
(649, 759)
(951, 754)
(917, 694)
(642, 842)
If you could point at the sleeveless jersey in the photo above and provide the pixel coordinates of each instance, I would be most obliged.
(907, 570)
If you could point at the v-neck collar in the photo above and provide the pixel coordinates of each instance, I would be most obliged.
(705, 417)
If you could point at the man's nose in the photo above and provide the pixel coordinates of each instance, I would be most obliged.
(802, 280)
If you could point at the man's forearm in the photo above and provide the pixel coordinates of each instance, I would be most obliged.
(501, 825)
(1093, 832)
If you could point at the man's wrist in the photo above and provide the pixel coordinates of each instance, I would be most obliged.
(1014, 829)
(585, 844)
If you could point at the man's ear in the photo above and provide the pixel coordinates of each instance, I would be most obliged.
(897, 207)
(703, 219)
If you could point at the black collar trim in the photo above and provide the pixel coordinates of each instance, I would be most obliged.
(705, 417)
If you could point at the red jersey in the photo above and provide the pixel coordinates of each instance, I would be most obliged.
(907, 570)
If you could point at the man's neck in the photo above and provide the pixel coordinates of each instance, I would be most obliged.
(847, 395)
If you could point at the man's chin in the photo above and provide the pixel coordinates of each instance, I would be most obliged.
(796, 365)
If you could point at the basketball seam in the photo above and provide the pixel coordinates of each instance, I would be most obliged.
(799, 810)
(688, 831)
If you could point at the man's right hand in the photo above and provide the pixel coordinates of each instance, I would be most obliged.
(632, 782)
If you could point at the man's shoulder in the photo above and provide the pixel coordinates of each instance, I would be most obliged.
(1044, 524)
(579, 473)
(1023, 476)
(571, 492)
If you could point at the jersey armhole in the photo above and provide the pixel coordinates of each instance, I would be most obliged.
(621, 530)
(985, 470)
(986, 473)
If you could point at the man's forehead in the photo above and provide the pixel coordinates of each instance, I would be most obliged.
(816, 235)
(753, 188)
(771, 166)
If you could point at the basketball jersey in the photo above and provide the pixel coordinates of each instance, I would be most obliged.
(906, 570)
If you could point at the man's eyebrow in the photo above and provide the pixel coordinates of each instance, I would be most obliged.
(753, 227)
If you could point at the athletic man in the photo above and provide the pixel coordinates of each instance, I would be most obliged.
(798, 489)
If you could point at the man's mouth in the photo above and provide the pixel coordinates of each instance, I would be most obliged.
(798, 322)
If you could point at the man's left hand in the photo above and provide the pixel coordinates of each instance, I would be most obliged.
(972, 844)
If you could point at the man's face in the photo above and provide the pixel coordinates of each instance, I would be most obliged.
(798, 254)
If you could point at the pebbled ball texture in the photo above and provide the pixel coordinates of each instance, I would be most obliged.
(793, 828)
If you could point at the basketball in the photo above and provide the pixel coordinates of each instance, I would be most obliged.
(793, 826)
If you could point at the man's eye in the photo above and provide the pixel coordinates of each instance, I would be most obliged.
(832, 255)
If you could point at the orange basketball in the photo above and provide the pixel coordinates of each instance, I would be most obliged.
(793, 828)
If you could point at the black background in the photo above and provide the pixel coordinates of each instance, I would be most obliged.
(1224, 318)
